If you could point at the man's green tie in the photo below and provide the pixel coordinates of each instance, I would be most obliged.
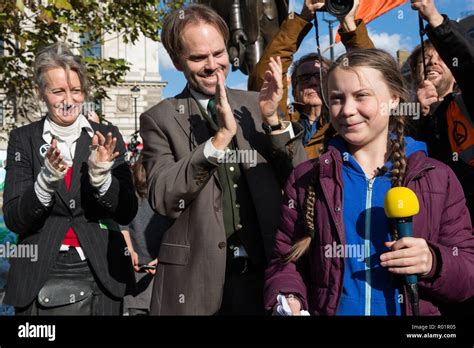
(211, 107)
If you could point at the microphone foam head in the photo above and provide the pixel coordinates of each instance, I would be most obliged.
(401, 202)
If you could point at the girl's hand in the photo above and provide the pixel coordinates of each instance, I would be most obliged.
(409, 255)
(295, 304)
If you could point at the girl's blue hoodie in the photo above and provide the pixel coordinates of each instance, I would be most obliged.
(369, 288)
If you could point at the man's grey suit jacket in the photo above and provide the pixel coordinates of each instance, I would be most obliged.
(184, 186)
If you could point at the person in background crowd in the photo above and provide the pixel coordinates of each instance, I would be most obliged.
(447, 123)
(308, 108)
(143, 236)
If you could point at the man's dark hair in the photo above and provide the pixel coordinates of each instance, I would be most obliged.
(177, 20)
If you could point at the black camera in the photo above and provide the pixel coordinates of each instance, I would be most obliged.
(338, 8)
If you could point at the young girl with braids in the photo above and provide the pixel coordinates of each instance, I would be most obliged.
(335, 253)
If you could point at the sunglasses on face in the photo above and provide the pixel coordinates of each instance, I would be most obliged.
(306, 78)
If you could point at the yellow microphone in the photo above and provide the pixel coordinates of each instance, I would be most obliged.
(401, 204)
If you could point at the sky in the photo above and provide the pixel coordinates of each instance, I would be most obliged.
(397, 29)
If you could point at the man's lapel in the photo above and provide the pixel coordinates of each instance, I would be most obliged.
(188, 115)
(80, 156)
(40, 147)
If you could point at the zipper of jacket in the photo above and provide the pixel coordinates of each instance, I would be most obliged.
(368, 217)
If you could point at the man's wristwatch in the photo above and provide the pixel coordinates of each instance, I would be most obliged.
(269, 129)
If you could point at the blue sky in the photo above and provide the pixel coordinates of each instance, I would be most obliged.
(397, 29)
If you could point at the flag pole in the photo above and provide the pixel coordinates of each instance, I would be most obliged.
(321, 65)
(422, 34)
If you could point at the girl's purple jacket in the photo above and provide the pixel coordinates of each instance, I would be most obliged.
(443, 221)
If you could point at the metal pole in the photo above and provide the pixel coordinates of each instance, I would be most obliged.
(136, 126)
(331, 41)
(331, 36)
(422, 33)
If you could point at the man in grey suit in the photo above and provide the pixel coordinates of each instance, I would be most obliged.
(215, 160)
